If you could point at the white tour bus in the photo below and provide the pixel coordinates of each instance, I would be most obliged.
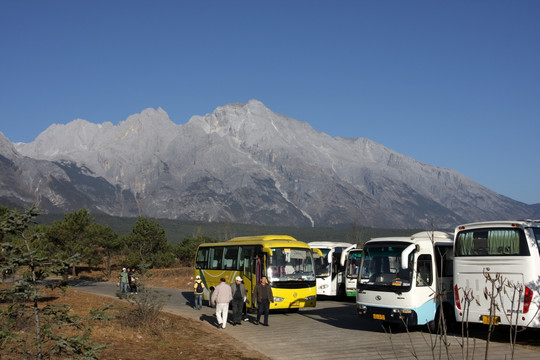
(401, 276)
(504, 250)
(330, 269)
(353, 261)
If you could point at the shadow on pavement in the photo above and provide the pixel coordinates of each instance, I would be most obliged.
(209, 319)
(189, 297)
(343, 317)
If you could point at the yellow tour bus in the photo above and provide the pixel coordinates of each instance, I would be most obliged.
(285, 261)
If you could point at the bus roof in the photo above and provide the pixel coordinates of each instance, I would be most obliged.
(501, 223)
(389, 239)
(267, 241)
(328, 244)
(434, 236)
(262, 238)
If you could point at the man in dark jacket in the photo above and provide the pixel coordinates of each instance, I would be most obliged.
(263, 295)
(239, 297)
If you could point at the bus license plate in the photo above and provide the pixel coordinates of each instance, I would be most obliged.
(379, 317)
(486, 320)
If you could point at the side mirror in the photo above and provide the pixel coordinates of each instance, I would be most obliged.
(405, 256)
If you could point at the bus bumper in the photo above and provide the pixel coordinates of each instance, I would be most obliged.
(310, 301)
(390, 315)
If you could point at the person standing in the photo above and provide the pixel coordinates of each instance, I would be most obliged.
(238, 299)
(134, 277)
(198, 290)
(263, 295)
(222, 296)
(124, 281)
(128, 270)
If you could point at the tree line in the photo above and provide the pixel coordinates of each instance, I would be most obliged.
(78, 239)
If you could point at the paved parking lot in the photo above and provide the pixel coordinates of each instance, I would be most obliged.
(333, 331)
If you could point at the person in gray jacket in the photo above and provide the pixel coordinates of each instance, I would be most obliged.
(238, 299)
(222, 296)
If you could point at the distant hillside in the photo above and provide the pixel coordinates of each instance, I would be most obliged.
(177, 231)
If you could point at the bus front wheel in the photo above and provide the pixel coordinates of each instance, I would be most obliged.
(449, 319)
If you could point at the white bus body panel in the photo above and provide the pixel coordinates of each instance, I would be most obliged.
(419, 302)
(470, 276)
(328, 285)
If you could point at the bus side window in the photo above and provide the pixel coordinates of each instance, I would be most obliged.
(424, 271)
(230, 257)
(202, 258)
(245, 255)
(216, 258)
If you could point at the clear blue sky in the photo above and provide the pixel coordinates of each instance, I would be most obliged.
(454, 84)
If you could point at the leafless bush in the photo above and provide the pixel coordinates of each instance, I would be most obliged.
(145, 314)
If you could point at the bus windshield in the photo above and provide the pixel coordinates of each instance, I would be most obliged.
(353, 265)
(290, 264)
(322, 265)
(381, 268)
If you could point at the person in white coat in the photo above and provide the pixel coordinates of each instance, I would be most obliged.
(222, 296)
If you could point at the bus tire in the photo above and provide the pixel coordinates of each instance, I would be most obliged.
(449, 319)
(432, 325)
(341, 294)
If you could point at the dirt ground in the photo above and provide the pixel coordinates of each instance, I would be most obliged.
(169, 337)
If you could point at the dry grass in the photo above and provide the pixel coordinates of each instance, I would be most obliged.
(171, 337)
(174, 278)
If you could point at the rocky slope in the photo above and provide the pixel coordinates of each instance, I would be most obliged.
(242, 163)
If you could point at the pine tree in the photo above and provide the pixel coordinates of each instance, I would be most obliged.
(30, 329)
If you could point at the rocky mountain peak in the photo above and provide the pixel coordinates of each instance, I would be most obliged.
(148, 119)
(6, 148)
(245, 163)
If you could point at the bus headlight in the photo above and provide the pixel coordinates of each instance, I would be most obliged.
(402, 311)
(361, 309)
(311, 298)
(323, 286)
(278, 299)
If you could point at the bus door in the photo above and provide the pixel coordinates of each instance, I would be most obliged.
(338, 279)
(252, 269)
(425, 287)
(260, 266)
(247, 258)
